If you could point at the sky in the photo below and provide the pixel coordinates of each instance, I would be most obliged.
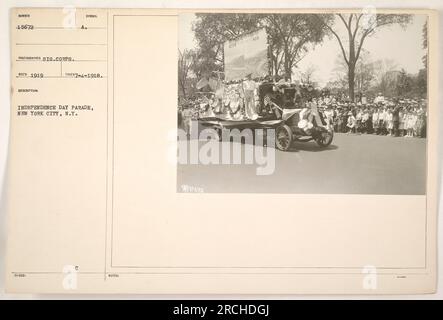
(403, 46)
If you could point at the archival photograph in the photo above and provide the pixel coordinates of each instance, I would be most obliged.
(303, 103)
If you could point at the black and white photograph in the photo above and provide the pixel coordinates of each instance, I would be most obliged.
(246, 151)
(308, 103)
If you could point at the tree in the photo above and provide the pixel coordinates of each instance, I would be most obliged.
(403, 84)
(212, 30)
(307, 76)
(186, 60)
(422, 77)
(365, 73)
(384, 69)
(388, 83)
(360, 26)
(425, 44)
(421, 83)
(288, 36)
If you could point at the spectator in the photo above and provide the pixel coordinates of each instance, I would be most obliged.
(351, 122)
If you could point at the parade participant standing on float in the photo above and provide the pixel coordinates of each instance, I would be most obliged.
(187, 118)
(249, 87)
(219, 94)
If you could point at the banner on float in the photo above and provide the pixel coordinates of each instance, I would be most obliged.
(246, 55)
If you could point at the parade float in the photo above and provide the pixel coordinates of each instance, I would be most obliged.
(246, 96)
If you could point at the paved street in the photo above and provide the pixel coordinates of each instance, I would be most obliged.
(357, 164)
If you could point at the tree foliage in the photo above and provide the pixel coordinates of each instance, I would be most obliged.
(358, 28)
(425, 44)
(378, 77)
(288, 37)
(186, 63)
(212, 30)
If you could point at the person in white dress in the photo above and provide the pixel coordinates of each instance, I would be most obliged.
(249, 87)
(375, 118)
(402, 125)
(351, 123)
(389, 122)
(412, 120)
(382, 121)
